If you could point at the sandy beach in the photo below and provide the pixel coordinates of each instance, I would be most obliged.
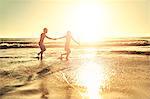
(74, 49)
(91, 73)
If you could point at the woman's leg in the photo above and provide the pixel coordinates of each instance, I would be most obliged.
(67, 54)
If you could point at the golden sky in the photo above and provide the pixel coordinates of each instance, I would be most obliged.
(26, 18)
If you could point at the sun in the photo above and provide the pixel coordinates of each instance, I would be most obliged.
(88, 20)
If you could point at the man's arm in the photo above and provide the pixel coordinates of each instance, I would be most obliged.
(51, 38)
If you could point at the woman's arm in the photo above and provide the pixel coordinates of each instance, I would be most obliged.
(75, 40)
(61, 37)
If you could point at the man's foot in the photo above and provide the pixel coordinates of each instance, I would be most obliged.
(37, 57)
(38, 54)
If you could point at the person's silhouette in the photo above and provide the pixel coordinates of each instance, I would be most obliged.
(68, 37)
(41, 42)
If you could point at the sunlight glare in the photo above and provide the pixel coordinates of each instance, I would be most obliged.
(89, 21)
(91, 75)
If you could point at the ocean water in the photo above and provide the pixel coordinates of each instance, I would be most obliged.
(114, 69)
(6, 43)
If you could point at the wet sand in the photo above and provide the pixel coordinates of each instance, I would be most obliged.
(89, 74)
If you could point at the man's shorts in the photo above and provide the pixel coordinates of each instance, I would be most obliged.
(42, 47)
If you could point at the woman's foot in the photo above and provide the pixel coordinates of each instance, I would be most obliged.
(67, 59)
(60, 57)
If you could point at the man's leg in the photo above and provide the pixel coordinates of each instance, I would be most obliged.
(42, 55)
(43, 49)
(39, 53)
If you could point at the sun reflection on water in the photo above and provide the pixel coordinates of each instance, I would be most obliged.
(92, 76)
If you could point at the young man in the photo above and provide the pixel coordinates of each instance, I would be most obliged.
(41, 42)
(68, 38)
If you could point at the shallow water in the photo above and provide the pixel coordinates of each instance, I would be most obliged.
(91, 73)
